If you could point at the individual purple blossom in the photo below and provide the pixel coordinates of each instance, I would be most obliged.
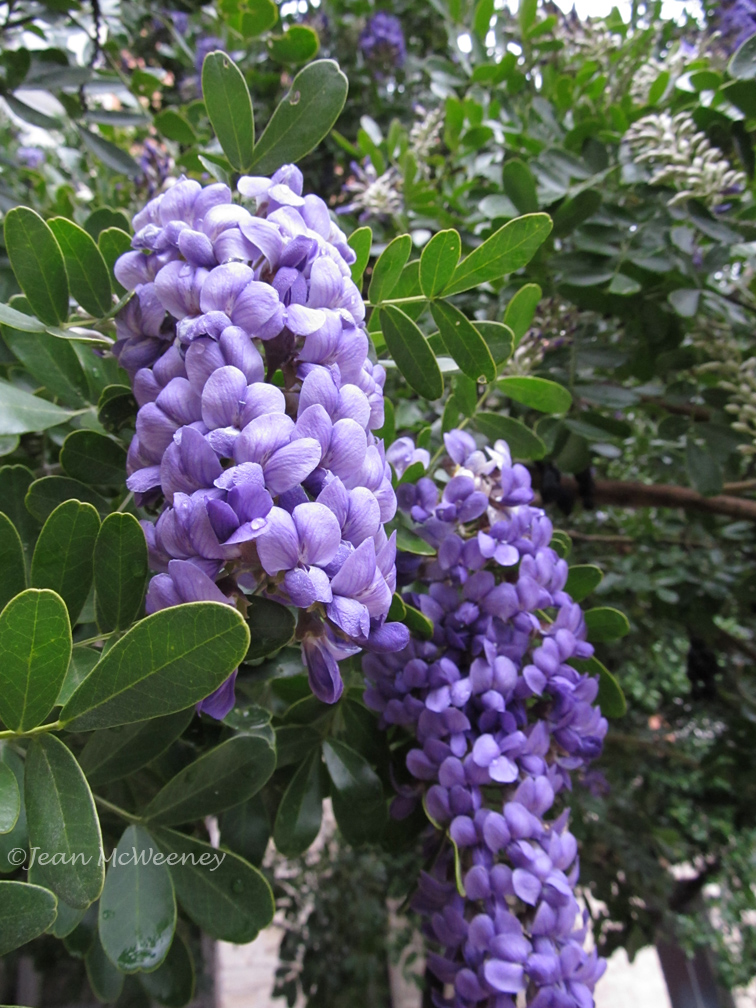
(246, 345)
(382, 40)
(31, 157)
(735, 21)
(205, 44)
(501, 720)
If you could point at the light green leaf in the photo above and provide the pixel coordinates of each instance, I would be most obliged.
(115, 158)
(88, 276)
(258, 17)
(521, 309)
(11, 561)
(26, 911)
(35, 644)
(52, 361)
(165, 663)
(523, 443)
(360, 241)
(388, 269)
(408, 542)
(175, 127)
(417, 622)
(112, 243)
(231, 901)
(221, 778)
(62, 558)
(137, 915)
(623, 285)
(411, 353)
(118, 752)
(120, 571)
(537, 393)
(10, 799)
(507, 250)
(610, 698)
(38, 263)
(301, 810)
(519, 185)
(303, 117)
(229, 108)
(582, 579)
(438, 261)
(63, 822)
(23, 413)
(463, 342)
(298, 44)
(606, 624)
(357, 794)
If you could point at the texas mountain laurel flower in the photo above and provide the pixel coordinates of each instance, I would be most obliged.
(500, 720)
(382, 41)
(681, 157)
(246, 345)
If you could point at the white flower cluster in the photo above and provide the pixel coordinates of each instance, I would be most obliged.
(736, 376)
(674, 62)
(683, 158)
(743, 405)
(424, 136)
(371, 194)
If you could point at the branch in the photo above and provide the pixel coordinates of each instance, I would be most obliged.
(682, 409)
(637, 495)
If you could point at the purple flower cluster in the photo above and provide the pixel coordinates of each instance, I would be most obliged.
(735, 20)
(501, 720)
(382, 40)
(270, 478)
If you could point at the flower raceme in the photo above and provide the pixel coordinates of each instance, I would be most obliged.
(257, 402)
(500, 722)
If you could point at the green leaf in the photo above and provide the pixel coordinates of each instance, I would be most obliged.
(360, 241)
(606, 624)
(388, 269)
(83, 660)
(417, 622)
(93, 458)
(742, 66)
(63, 822)
(88, 276)
(137, 915)
(408, 542)
(438, 261)
(105, 979)
(298, 44)
(482, 18)
(46, 494)
(15, 481)
(685, 301)
(301, 810)
(104, 218)
(35, 641)
(610, 698)
(561, 543)
(175, 127)
(10, 799)
(259, 16)
(30, 114)
(499, 338)
(118, 752)
(537, 393)
(507, 250)
(523, 443)
(303, 117)
(519, 185)
(18, 836)
(23, 413)
(463, 342)
(112, 243)
(623, 285)
(26, 911)
(115, 158)
(521, 309)
(116, 408)
(295, 743)
(172, 983)
(704, 472)
(229, 108)
(245, 828)
(231, 901)
(271, 627)
(572, 212)
(221, 778)
(165, 663)
(411, 353)
(582, 579)
(357, 794)
(52, 361)
(11, 562)
(62, 558)
(120, 571)
(68, 917)
(38, 263)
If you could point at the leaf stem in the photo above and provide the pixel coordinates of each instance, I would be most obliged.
(116, 809)
(39, 730)
(414, 299)
(94, 640)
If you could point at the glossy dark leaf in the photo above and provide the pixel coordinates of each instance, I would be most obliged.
(419, 624)
(120, 571)
(411, 353)
(88, 277)
(105, 979)
(165, 663)
(15, 481)
(230, 900)
(574, 211)
(606, 624)
(582, 579)
(11, 561)
(137, 914)
(63, 822)
(271, 627)
(38, 263)
(246, 829)
(519, 185)
(172, 983)
(303, 117)
(463, 342)
(83, 660)
(52, 361)
(301, 810)
(704, 471)
(229, 108)
(62, 558)
(18, 836)
(35, 642)
(117, 752)
(357, 794)
(298, 44)
(93, 458)
(10, 799)
(26, 911)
